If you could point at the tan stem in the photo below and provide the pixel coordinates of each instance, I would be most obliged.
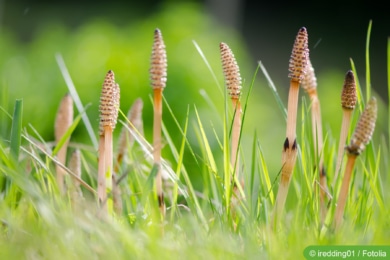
(235, 139)
(289, 153)
(347, 113)
(317, 127)
(157, 122)
(108, 147)
(101, 190)
(292, 108)
(342, 199)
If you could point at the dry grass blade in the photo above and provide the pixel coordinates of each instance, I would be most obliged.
(158, 77)
(309, 84)
(108, 108)
(233, 84)
(63, 121)
(297, 68)
(360, 138)
(348, 103)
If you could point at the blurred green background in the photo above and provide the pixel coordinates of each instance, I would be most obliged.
(118, 35)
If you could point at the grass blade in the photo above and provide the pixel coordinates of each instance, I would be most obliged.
(76, 99)
(368, 74)
(274, 90)
(16, 130)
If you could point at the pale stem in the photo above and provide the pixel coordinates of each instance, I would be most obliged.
(292, 108)
(235, 138)
(289, 153)
(101, 190)
(347, 113)
(108, 146)
(343, 195)
(157, 121)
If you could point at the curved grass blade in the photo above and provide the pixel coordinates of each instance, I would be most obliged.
(67, 134)
(368, 74)
(358, 88)
(76, 98)
(274, 90)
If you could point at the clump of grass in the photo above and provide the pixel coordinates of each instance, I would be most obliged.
(309, 84)
(74, 189)
(360, 138)
(126, 142)
(297, 68)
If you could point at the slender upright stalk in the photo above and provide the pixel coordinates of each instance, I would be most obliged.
(348, 103)
(297, 68)
(63, 121)
(233, 84)
(360, 138)
(158, 77)
(109, 107)
(309, 84)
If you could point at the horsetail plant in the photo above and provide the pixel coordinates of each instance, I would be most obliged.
(109, 107)
(297, 68)
(348, 103)
(158, 77)
(360, 138)
(233, 83)
(309, 84)
(63, 121)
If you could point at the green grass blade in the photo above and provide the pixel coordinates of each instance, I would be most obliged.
(208, 65)
(76, 99)
(274, 90)
(368, 74)
(178, 170)
(181, 130)
(16, 130)
(358, 88)
(209, 153)
(388, 84)
(268, 192)
(67, 134)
